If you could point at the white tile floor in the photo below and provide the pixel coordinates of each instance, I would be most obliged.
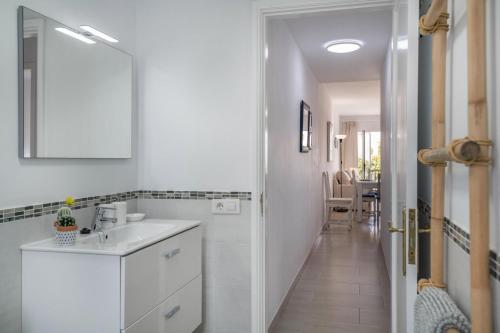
(343, 288)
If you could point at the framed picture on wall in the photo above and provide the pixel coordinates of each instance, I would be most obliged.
(310, 132)
(305, 127)
(329, 141)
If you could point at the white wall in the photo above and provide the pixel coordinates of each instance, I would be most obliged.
(294, 198)
(28, 181)
(24, 182)
(198, 132)
(195, 88)
(327, 104)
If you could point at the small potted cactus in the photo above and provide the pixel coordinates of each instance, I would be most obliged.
(66, 228)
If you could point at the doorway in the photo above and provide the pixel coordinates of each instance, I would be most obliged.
(264, 12)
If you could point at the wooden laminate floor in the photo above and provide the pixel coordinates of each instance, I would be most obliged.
(343, 288)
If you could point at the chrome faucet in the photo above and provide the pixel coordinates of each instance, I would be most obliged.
(99, 217)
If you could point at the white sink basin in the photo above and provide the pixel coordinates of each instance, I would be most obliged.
(126, 235)
(120, 240)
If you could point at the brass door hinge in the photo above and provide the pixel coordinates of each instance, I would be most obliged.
(412, 235)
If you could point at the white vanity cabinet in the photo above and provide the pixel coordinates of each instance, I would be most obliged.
(156, 289)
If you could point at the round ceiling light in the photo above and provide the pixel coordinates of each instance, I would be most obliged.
(343, 45)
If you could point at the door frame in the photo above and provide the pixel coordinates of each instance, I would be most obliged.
(261, 11)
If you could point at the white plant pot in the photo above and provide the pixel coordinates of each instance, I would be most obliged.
(66, 238)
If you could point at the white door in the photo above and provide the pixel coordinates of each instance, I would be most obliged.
(403, 160)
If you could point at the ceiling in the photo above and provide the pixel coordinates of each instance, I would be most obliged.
(372, 26)
(359, 98)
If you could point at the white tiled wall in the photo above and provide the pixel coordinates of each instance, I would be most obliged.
(458, 281)
(226, 260)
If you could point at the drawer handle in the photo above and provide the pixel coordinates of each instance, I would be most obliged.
(172, 253)
(172, 312)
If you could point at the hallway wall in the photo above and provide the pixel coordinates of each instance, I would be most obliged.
(457, 184)
(294, 198)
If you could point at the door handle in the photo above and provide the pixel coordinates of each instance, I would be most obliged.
(394, 229)
(172, 312)
(424, 230)
(402, 231)
(172, 253)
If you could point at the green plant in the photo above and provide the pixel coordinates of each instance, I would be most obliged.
(65, 215)
(372, 166)
(66, 221)
(64, 212)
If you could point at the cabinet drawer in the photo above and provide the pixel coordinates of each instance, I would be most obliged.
(151, 275)
(180, 313)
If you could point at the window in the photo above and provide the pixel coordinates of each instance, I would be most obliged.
(368, 154)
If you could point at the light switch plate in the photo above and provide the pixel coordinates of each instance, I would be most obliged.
(225, 206)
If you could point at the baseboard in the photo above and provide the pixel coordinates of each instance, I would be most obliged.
(284, 303)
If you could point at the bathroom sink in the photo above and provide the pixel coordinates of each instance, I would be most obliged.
(128, 234)
(118, 240)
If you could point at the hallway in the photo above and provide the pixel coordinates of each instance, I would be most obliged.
(344, 287)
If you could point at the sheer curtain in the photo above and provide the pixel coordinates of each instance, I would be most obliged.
(350, 145)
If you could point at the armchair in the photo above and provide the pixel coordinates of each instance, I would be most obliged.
(348, 186)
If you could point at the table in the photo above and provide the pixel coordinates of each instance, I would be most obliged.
(361, 186)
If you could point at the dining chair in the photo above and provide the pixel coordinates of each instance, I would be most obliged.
(372, 197)
(338, 211)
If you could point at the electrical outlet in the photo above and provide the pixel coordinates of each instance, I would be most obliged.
(225, 206)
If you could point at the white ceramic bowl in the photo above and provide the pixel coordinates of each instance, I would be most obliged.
(135, 217)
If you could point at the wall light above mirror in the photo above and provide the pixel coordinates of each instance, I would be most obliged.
(75, 92)
(97, 33)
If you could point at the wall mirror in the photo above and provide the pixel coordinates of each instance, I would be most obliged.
(75, 97)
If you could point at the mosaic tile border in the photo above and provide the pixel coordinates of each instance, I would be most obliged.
(37, 210)
(41, 209)
(460, 237)
(193, 195)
